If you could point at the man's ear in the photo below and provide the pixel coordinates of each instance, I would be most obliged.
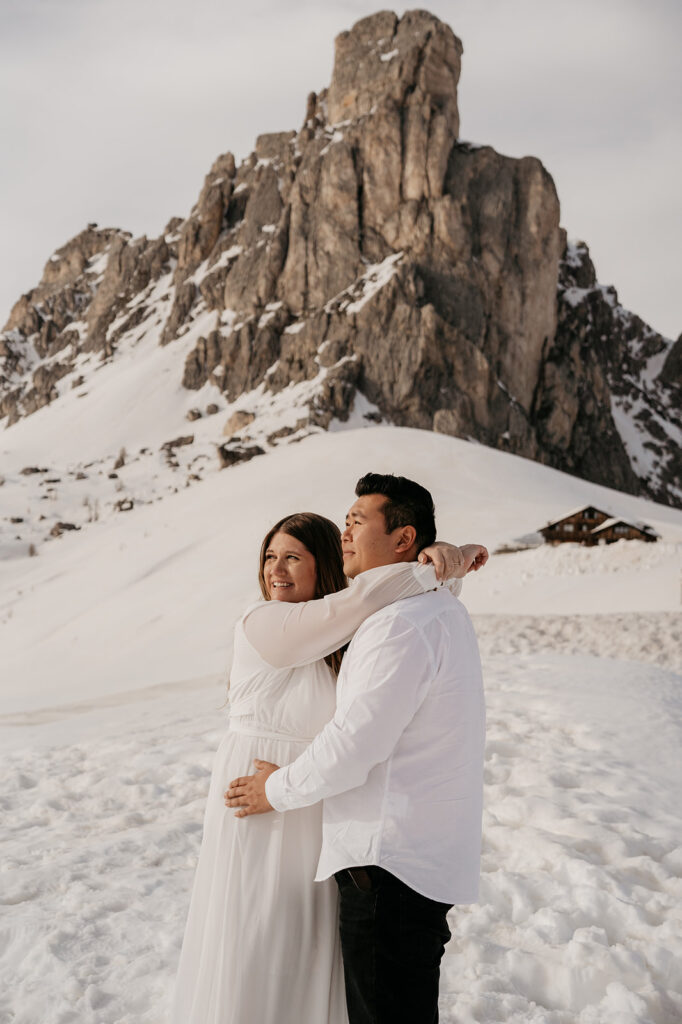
(406, 537)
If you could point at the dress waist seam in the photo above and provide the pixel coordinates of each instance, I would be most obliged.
(262, 732)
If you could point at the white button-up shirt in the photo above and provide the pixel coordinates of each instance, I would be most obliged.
(400, 766)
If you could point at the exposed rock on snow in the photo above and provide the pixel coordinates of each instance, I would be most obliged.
(237, 421)
(230, 455)
(59, 528)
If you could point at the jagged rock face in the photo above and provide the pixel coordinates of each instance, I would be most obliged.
(609, 401)
(408, 62)
(91, 294)
(571, 411)
(375, 253)
(671, 373)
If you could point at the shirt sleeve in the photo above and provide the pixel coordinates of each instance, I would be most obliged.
(288, 634)
(393, 675)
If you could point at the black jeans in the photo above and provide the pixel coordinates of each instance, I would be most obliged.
(392, 939)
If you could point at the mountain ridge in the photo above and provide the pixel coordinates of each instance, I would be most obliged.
(372, 260)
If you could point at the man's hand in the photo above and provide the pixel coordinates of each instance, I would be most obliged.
(248, 792)
(449, 560)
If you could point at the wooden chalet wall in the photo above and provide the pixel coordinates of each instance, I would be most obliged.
(576, 527)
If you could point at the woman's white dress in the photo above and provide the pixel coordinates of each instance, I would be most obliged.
(261, 943)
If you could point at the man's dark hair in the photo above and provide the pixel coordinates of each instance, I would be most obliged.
(407, 504)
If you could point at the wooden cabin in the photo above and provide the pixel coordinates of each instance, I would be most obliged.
(619, 529)
(589, 525)
(576, 526)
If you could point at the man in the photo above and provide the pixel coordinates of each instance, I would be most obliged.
(399, 767)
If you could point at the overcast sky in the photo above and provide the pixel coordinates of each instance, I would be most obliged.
(113, 111)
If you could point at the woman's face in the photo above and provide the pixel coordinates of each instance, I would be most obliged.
(289, 571)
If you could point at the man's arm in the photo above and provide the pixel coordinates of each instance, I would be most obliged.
(394, 670)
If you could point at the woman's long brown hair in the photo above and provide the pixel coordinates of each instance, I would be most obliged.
(323, 540)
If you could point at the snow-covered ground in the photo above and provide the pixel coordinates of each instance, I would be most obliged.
(579, 919)
(109, 608)
(115, 641)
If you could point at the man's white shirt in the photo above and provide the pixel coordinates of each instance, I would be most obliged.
(400, 765)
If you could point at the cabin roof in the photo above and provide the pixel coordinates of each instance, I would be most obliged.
(573, 512)
(615, 521)
(611, 522)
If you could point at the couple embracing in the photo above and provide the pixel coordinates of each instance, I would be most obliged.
(362, 708)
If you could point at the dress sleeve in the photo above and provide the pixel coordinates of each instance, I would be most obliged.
(288, 634)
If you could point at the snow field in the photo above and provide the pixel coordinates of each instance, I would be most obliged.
(569, 579)
(99, 862)
(115, 641)
(654, 638)
(579, 920)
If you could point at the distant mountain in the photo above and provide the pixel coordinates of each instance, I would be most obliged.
(371, 264)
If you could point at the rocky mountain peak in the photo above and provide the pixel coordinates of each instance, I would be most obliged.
(371, 263)
(413, 61)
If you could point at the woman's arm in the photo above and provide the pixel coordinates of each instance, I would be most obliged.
(449, 560)
(287, 634)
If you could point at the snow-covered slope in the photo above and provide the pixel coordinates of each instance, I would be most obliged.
(148, 596)
(115, 640)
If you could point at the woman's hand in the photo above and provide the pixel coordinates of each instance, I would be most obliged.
(475, 556)
(450, 561)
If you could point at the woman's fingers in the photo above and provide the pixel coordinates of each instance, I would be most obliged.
(438, 560)
(475, 556)
(481, 557)
(447, 559)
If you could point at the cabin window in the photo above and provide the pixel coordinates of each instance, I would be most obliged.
(568, 527)
(621, 529)
(587, 513)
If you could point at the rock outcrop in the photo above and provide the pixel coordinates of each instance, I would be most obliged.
(610, 394)
(374, 253)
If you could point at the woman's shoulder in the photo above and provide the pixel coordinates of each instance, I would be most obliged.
(240, 636)
(245, 651)
(259, 603)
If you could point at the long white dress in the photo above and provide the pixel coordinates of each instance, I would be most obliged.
(261, 944)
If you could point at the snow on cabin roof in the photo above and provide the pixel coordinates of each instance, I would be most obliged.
(574, 512)
(610, 522)
(616, 521)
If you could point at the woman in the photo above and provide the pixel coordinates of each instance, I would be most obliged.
(261, 944)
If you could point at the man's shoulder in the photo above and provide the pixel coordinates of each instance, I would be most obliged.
(414, 612)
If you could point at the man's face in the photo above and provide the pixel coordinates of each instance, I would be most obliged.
(365, 542)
